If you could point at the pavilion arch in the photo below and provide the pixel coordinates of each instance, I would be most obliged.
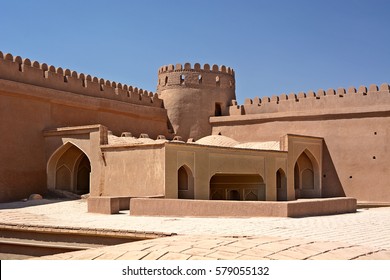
(227, 186)
(69, 169)
(307, 176)
(185, 183)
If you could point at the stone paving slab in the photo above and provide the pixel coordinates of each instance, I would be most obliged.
(361, 235)
(141, 250)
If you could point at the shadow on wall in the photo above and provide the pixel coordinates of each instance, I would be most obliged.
(331, 185)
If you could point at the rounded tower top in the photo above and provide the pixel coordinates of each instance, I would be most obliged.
(191, 95)
(171, 76)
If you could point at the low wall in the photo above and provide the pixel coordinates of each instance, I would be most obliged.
(108, 204)
(217, 208)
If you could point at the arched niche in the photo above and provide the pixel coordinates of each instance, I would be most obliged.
(185, 183)
(237, 187)
(281, 185)
(306, 176)
(69, 169)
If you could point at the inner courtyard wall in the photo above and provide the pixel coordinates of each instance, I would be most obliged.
(137, 171)
(207, 161)
(356, 147)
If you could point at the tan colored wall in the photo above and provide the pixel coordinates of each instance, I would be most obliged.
(204, 208)
(133, 171)
(351, 141)
(191, 102)
(319, 103)
(206, 161)
(31, 103)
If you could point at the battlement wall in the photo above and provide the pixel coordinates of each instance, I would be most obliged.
(15, 68)
(171, 76)
(319, 101)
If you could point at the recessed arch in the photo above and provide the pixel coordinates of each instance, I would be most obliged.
(185, 183)
(234, 195)
(281, 185)
(237, 187)
(82, 175)
(69, 169)
(251, 196)
(306, 176)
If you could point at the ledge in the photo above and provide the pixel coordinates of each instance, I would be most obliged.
(236, 209)
(340, 113)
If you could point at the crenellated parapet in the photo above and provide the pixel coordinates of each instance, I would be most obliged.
(171, 76)
(15, 68)
(313, 101)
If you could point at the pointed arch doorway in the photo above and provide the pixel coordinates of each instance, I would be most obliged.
(69, 169)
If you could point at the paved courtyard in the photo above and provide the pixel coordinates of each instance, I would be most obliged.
(361, 235)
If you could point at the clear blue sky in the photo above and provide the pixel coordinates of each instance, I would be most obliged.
(274, 46)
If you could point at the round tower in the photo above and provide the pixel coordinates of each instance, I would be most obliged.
(192, 95)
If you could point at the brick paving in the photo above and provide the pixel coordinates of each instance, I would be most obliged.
(361, 235)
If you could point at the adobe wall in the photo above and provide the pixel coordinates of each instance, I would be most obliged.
(133, 171)
(190, 95)
(206, 161)
(321, 102)
(355, 126)
(35, 97)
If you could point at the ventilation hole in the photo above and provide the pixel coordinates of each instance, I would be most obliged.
(375, 133)
(350, 177)
(324, 175)
(374, 157)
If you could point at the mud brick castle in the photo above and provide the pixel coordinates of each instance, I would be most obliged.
(63, 130)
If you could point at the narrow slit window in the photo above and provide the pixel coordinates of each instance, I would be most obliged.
(217, 81)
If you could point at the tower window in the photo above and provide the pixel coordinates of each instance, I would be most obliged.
(200, 79)
(182, 78)
(217, 81)
(218, 109)
(166, 80)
